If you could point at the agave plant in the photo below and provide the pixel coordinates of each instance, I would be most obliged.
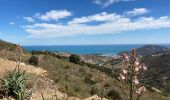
(14, 84)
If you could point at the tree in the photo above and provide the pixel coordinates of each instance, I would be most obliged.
(74, 59)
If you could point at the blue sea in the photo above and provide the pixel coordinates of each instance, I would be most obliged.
(87, 49)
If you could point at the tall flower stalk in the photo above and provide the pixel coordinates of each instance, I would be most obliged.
(130, 74)
(18, 55)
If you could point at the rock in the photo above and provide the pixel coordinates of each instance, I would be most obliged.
(61, 96)
(156, 90)
(1, 59)
(22, 64)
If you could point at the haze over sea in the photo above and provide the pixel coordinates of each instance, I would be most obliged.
(88, 49)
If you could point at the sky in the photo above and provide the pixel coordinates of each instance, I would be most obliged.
(85, 22)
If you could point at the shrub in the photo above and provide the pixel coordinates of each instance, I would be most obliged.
(88, 80)
(33, 60)
(14, 83)
(74, 59)
(114, 95)
(94, 90)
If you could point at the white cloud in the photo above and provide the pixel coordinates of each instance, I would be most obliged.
(11, 23)
(53, 15)
(29, 19)
(137, 11)
(109, 24)
(102, 17)
(106, 3)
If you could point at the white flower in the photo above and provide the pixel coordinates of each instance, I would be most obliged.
(141, 90)
(136, 69)
(143, 67)
(138, 92)
(135, 80)
(125, 57)
(122, 77)
(137, 62)
(124, 71)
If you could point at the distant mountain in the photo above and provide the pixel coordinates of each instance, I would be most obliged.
(150, 49)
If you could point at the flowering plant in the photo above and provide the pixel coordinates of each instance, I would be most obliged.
(130, 74)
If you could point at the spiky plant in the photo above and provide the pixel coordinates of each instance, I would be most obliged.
(14, 83)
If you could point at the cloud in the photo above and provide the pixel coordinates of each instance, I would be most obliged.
(53, 15)
(105, 3)
(102, 17)
(137, 11)
(29, 19)
(11, 23)
(110, 23)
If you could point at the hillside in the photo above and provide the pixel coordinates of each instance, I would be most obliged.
(37, 76)
(79, 80)
(6, 45)
(157, 58)
(83, 81)
(159, 72)
(151, 49)
(95, 59)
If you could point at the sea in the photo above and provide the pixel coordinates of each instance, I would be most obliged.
(107, 50)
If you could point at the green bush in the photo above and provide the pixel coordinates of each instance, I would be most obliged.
(114, 95)
(74, 59)
(14, 83)
(88, 80)
(33, 60)
(94, 91)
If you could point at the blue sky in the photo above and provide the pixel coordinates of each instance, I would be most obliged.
(75, 22)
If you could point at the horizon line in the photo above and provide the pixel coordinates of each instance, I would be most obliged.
(97, 44)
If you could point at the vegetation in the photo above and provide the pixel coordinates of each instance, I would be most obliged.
(7, 46)
(14, 83)
(74, 79)
(158, 75)
(74, 59)
(114, 95)
(82, 79)
(33, 60)
(130, 74)
(54, 54)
